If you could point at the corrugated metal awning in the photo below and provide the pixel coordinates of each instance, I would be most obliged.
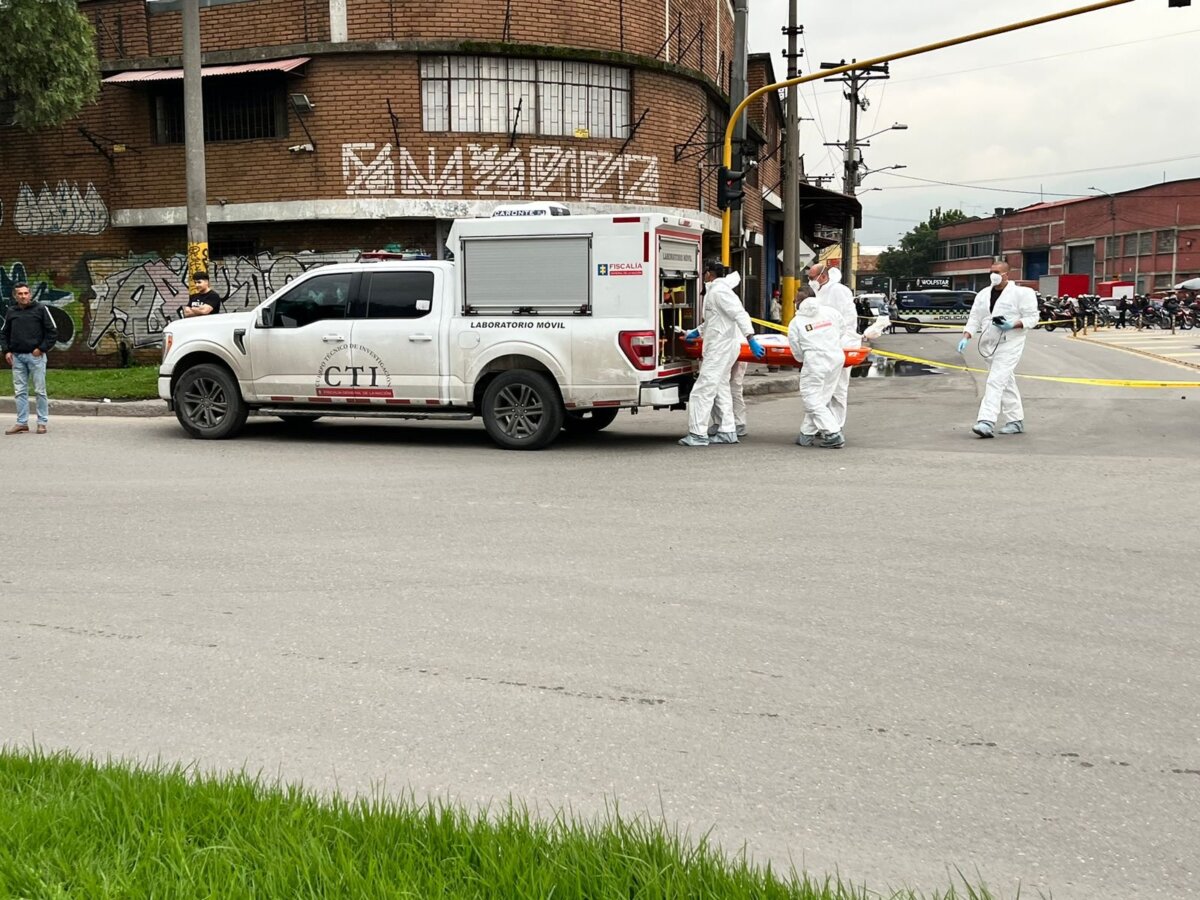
(275, 65)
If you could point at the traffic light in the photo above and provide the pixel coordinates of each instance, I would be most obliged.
(730, 190)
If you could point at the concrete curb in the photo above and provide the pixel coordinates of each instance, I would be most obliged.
(757, 386)
(137, 409)
(1136, 351)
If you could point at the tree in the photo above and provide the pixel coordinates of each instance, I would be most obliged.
(48, 70)
(918, 249)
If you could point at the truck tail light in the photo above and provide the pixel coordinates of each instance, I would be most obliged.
(638, 347)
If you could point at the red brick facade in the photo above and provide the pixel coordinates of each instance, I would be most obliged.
(105, 188)
(1149, 236)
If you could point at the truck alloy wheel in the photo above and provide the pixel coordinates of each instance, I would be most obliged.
(522, 410)
(208, 403)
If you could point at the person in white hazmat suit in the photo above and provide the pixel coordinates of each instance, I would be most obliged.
(725, 323)
(737, 392)
(1002, 315)
(832, 293)
(815, 336)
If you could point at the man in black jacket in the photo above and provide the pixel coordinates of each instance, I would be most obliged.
(26, 337)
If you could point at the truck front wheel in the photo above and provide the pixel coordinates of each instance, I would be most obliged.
(522, 410)
(208, 403)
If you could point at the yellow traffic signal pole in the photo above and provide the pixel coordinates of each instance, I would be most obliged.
(863, 64)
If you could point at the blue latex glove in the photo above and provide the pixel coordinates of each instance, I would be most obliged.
(692, 335)
(962, 345)
(1006, 326)
(756, 348)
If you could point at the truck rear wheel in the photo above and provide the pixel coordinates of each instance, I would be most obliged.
(208, 403)
(522, 410)
(589, 421)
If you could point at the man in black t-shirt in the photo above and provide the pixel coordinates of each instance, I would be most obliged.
(205, 301)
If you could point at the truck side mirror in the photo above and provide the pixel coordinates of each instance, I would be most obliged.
(265, 316)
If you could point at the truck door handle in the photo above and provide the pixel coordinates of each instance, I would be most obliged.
(332, 338)
(420, 338)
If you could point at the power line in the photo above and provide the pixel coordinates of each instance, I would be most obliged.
(1132, 165)
(879, 104)
(985, 181)
(1020, 62)
(928, 182)
(816, 106)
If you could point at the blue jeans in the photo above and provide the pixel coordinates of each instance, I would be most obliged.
(25, 365)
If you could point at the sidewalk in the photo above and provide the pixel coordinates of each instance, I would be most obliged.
(1182, 347)
(760, 382)
(122, 408)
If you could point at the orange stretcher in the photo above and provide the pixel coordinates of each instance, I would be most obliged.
(779, 352)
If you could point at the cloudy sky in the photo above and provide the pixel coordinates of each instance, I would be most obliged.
(1106, 99)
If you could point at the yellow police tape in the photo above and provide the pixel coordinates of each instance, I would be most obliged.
(904, 323)
(1063, 379)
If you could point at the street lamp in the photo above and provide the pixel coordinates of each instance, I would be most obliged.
(873, 171)
(852, 178)
(897, 126)
(1112, 215)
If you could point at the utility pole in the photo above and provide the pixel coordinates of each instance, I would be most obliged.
(791, 171)
(737, 93)
(193, 144)
(850, 184)
(853, 81)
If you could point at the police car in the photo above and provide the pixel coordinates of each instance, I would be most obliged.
(932, 307)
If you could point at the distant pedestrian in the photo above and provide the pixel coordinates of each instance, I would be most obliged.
(1081, 314)
(1122, 310)
(776, 307)
(27, 335)
(205, 301)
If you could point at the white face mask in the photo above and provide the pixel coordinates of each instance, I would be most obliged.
(995, 279)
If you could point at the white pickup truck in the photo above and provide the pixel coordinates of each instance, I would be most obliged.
(537, 325)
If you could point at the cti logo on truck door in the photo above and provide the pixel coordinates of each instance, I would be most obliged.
(603, 269)
(371, 379)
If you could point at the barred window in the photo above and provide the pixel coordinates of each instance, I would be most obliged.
(959, 249)
(500, 95)
(236, 108)
(1111, 247)
(1166, 242)
(1145, 243)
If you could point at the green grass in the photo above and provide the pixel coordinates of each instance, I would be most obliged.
(135, 383)
(71, 827)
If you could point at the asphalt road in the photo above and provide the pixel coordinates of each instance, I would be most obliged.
(923, 651)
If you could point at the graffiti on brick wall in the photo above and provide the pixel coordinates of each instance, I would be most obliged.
(61, 302)
(544, 172)
(60, 210)
(135, 299)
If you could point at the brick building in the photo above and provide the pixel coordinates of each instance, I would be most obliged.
(336, 126)
(1149, 236)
